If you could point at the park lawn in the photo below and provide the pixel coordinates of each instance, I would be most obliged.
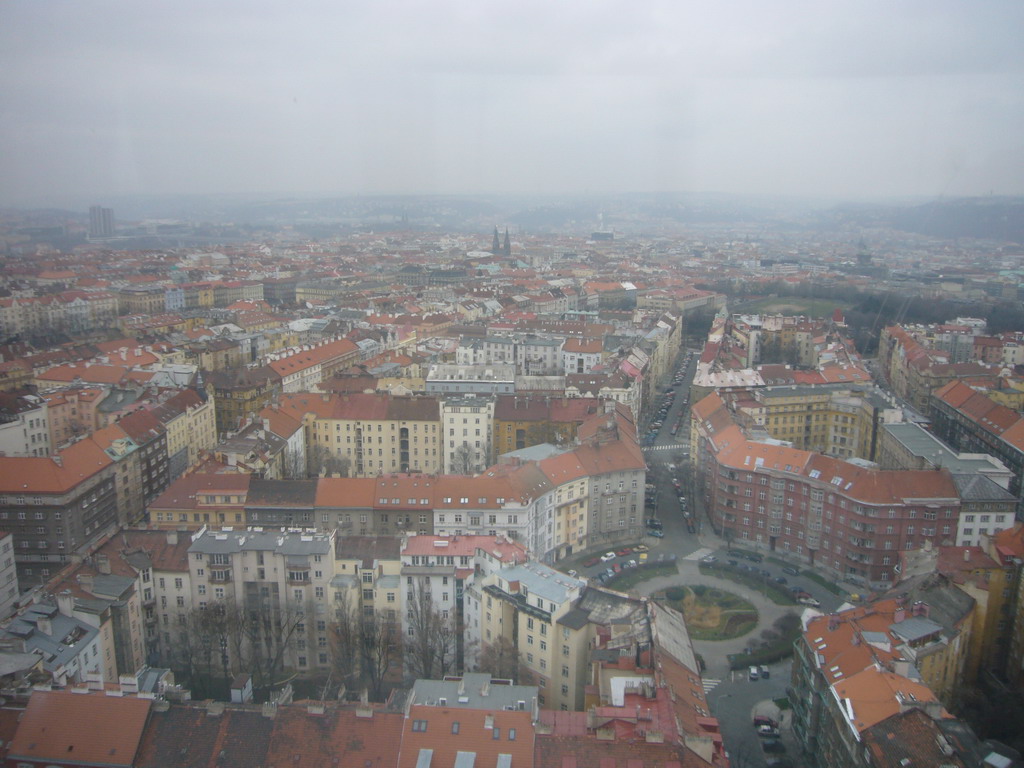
(797, 305)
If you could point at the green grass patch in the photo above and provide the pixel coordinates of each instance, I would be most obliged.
(796, 305)
(832, 587)
(632, 576)
(777, 593)
(782, 704)
(711, 613)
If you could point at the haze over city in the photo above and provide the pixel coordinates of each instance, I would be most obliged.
(840, 101)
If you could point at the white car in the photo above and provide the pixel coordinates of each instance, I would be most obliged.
(607, 556)
(809, 601)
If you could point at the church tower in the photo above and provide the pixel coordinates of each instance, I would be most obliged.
(508, 244)
(495, 244)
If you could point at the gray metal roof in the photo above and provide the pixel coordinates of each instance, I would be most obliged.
(474, 690)
(975, 487)
(289, 543)
(542, 581)
(915, 628)
(66, 639)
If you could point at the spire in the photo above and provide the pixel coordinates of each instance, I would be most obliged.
(496, 244)
(508, 244)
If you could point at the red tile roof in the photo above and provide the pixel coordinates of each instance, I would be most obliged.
(473, 735)
(63, 727)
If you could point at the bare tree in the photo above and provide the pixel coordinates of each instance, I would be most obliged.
(502, 660)
(345, 651)
(365, 647)
(430, 650)
(378, 650)
(294, 465)
(463, 460)
(322, 460)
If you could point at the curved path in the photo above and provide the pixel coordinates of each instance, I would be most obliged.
(715, 652)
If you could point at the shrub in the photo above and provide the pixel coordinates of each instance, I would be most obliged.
(739, 623)
(676, 594)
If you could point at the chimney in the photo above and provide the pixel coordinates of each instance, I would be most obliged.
(103, 564)
(172, 538)
(44, 625)
(85, 581)
(967, 555)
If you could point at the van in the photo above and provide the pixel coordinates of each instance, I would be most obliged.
(753, 673)
(765, 672)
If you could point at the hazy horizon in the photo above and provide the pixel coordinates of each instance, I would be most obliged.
(848, 101)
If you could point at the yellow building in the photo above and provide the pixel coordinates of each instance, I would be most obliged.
(531, 606)
(363, 435)
(191, 426)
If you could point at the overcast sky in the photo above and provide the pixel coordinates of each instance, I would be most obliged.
(849, 99)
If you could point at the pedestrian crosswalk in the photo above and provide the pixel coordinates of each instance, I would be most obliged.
(709, 684)
(698, 554)
(669, 447)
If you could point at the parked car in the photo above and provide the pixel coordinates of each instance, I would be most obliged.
(653, 522)
(791, 570)
(591, 562)
(780, 580)
(616, 567)
(640, 548)
(624, 551)
(760, 720)
(753, 673)
(709, 559)
(767, 731)
(607, 556)
(765, 672)
(773, 745)
(656, 534)
(643, 557)
(631, 563)
(754, 557)
(809, 601)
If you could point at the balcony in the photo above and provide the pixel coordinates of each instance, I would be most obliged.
(220, 575)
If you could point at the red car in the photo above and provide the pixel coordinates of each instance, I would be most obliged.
(624, 551)
(616, 567)
(591, 562)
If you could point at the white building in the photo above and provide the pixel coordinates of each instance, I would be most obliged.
(24, 426)
(467, 425)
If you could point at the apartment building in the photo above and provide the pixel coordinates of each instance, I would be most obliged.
(56, 506)
(972, 422)
(848, 518)
(302, 370)
(855, 669)
(522, 421)
(467, 425)
(240, 394)
(8, 576)
(435, 571)
(283, 577)
(24, 425)
(531, 605)
(71, 649)
(190, 422)
(370, 434)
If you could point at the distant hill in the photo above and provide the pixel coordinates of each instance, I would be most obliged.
(988, 218)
